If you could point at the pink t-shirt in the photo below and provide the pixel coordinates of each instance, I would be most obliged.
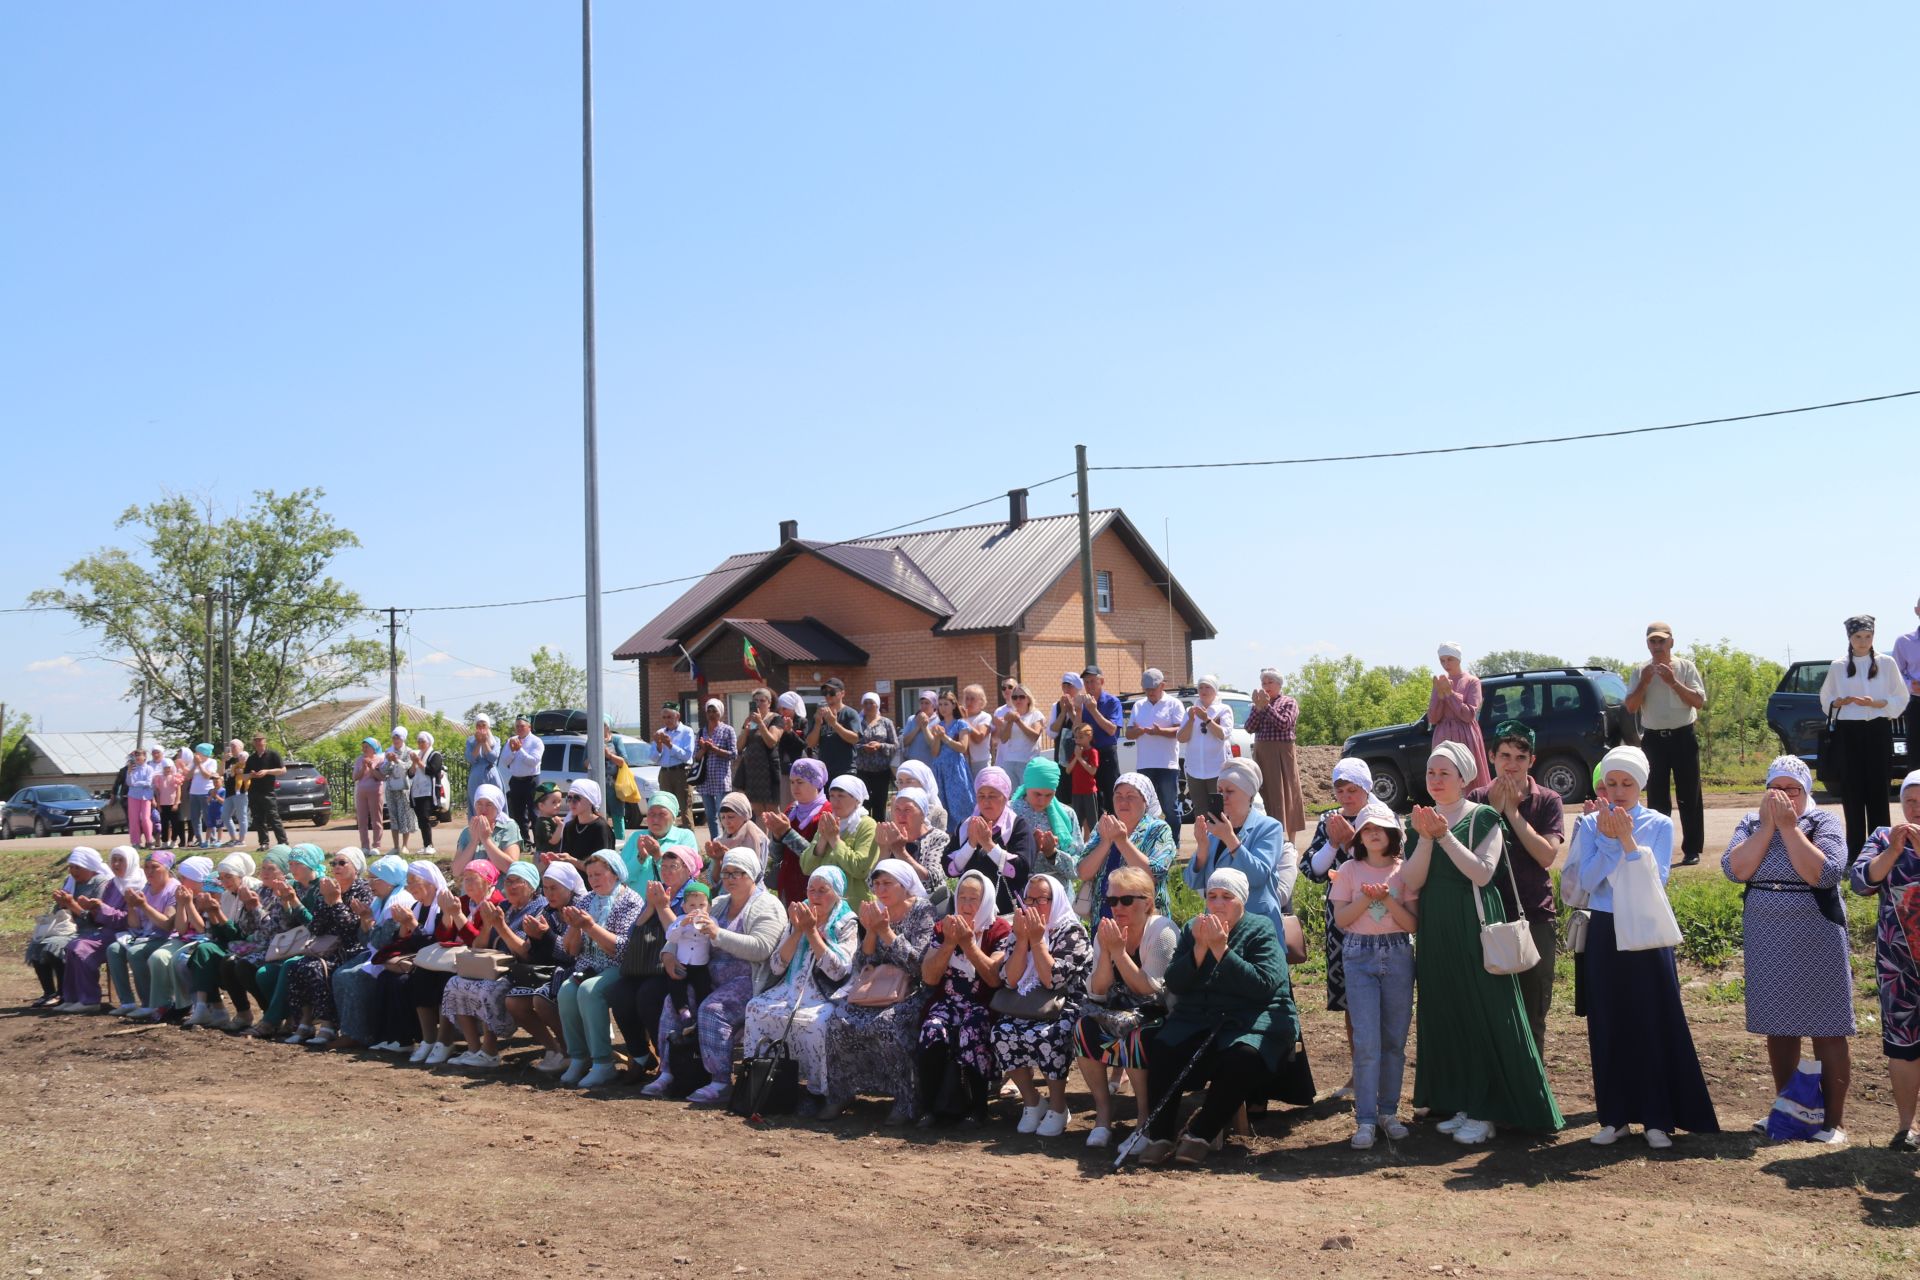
(1348, 878)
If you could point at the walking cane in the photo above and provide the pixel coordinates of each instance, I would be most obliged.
(1138, 1138)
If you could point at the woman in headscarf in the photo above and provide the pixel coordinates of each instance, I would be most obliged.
(1057, 849)
(397, 768)
(871, 1048)
(1477, 1058)
(289, 893)
(790, 721)
(1645, 1070)
(792, 832)
(346, 902)
(423, 786)
(236, 924)
(1791, 857)
(996, 842)
(595, 930)
(459, 925)
(961, 969)
(586, 831)
(952, 735)
(813, 959)
(98, 905)
(1335, 843)
(737, 830)
(1049, 955)
(478, 1006)
(1865, 698)
(743, 925)
(1889, 867)
(758, 770)
(366, 793)
(1251, 843)
(873, 753)
(918, 773)
(1453, 710)
(532, 984)
(390, 926)
(1134, 835)
(1132, 945)
(166, 967)
(1234, 1026)
(420, 926)
(1272, 723)
(910, 836)
(489, 832)
(149, 919)
(845, 837)
(637, 995)
(648, 845)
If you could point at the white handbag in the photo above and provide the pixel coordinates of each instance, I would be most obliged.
(438, 958)
(1642, 917)
(1506, 946)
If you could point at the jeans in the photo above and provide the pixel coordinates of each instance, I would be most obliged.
(1166, 785)
(1379, 969)
(235, 820)
(1677, 752)
(197, 817)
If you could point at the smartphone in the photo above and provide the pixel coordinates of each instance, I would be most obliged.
(1217, 807)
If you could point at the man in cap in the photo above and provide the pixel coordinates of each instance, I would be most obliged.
(835, 728)
(1666, 692)
(1154, 724)
(1102, 710)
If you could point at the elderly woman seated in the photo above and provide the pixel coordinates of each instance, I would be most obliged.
(489, 833)
(996, 842)
(529, 1003)
(846, 837)
(637, 994)
(962, 969)
(647, 845)
(1134, 835)
(149, 920)
(1039, 1006)
(872, 1038)
(918, 773)
(911, 837)
(1132, 946)
(1249, 842)
(232, 920)
(743, 926)
(167, 966)
(1233, 1027)
(595, 930)
(345, 896)
(737, 830)
(97, 902)
(1057, 845)
(294, 883)
(355, 987)
(445, 919)
(810, 964)
(478, 1006)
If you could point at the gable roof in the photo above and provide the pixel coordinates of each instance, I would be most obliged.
(808, 640)
(324, 719)
(981, 577)
(77, 755)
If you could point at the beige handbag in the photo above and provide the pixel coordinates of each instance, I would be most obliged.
(1506, 946)
(879, 986)
(482, 965)
(435, 958)
(287, 944)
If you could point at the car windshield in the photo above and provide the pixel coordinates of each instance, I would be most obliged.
(63, 793)
(1241, 708)
(1613, 690)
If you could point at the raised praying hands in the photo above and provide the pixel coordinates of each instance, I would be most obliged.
(329, 890)
(1776, 810)
(800, 917)
(829, 829)
(1209, 934)
(1374, 891)
(871, 915)
(1113, 939)
(1904, 834)
(890, 836)
(1111, 829)
(979, 834)
(1339, 831)
(575, 917)
(775, 824)
(1046, 842)
(535, 925)
(1614, 822)
(957, 930)
(657, 894)
(481, 826)
(1428, 822)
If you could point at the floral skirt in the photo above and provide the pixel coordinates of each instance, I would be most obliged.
(964, 1027)
(481, 998)
(873, 1050)
(806, 1038)
(1044, 1048)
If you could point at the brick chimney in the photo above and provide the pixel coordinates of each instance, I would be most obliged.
(1016, 508)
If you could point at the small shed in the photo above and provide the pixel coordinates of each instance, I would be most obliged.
(87, 760)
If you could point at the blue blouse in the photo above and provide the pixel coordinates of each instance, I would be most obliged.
(1263, 843)
(1592, 858)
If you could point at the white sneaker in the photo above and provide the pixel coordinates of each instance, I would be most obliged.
(126, 1010)
(481, 1061)
(1054, 1123)
(1832, 1137)
(602, 1075)
(204, 1015)
(420, 1052)
(234, 1022)
(1473, 1132)
(1453, 1125)
(385, 1046)
(1100, 1137)
(438, 1054)
(575, 1072)
(1607, 1136)
(1030, 1118)
(1395, 1130)
(1362, 1137)
(551, 1063)
(1658, 1140)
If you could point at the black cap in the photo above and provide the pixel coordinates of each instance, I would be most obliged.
(1091, 670)
(834, 684)
(670, 706)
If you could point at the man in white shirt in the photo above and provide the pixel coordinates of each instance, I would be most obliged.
(1666, 692)
(1154, 725)
(521, 762)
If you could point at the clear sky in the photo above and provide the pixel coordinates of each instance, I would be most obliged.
(862, 262)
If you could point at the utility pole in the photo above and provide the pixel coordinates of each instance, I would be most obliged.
(596, 757)
(1086, 555)
(206, 694)
(393, 667)
(226, 663)
(140, 722)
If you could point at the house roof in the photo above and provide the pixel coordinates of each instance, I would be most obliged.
(981, 577)
(807, 640)
(324, 719)
(80, 754)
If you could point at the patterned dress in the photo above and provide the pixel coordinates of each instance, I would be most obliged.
(310, 978)
(720, 1021)
(1896, 944)
(1154, 838)
(807, 999)
(1046, 1048)
(1336, 936)
(872, 1050)
(957, 1017)
(1798, 979)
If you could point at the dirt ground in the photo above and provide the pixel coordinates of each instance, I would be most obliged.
(168, 1153)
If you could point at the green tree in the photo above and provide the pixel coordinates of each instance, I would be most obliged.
(1501, 661)
(1618, 666)
(1733, 724)
(498, 712)
(1342, 696)
(292, 623)
(549, 681)
(14, 756)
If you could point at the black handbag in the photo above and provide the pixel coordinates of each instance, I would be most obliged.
(684, 1066)
(767, 1081)
(1833, 753)
(640, 954)
(521, 974)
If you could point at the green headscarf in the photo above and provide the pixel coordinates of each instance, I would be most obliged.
(1045, 774)
(279, 856)
(665, 800)
(311, 857)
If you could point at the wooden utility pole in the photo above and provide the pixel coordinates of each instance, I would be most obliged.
(1086, 556)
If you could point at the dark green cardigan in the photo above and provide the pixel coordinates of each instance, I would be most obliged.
(1247, 993)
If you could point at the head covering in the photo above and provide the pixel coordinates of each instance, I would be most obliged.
(994, 777)
(1208, 682)
(1244, 774)
(687, 856)
(310, 856)
(903, 874)
(922, 775)
(1152, 678)
(664, 800)
(1631, 761)
(588, 788)
(869, 696)
(917, 798)
(1460, 756)
(161, 858)
(1234, 882)
(203, 748)
(714, 704)
(613, 859)
(1659, 629)
(1859, 622)
(792, 703)
(1796, 768)
(428, 871)
(239, 864)
(1354, 770)
(564, 875)
(1376, 814)
(1041, 773)
(700, 887)
(526, 872)
(390, 869)
(484, 868)
(197, 869)
(983, 917)
(493, 796)
(930, 695)
(810, 770)
(370, 741)
(134, 877)
(280, 858)
(736, 802)
(1451, 650)
(1911, 780)
(852, 785)
(483, 719)
(428, 737)
(357, 858)
(1044, 773)
(398, 731)
(1074, 682)
(747, 861)
(836, 880)
(1144, 785)
(1059, 916)
(1514, 729)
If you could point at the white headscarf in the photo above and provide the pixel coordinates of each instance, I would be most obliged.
(1796, 768)
(1354, 770)
(858, 790)
(1059, 916)
(89, 861)
(240, 864)
(792, 703)
(1244, 774)
(135, 877)
(921, 774)
(428, 871)
(1234, 882)
(567, 877)
(982, 920)
(1631, 761)
(1140, 783)
(1451, 650)
(903, 874)
(1460, 756)
(493, 796)
(1911, 780)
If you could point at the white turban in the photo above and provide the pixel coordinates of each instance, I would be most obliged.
(1243, 775)
(915, 797)
(1354, 770)
(1451, 650)
(493, 796)
(1209, 682)
(239, 864)
(1631, 761)
(792, 703)
(1911, 780)
(1234, 882)
(1459, 755)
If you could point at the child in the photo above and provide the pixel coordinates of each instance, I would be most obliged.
(216, 814)
(547, 817)
(1375, 908)
(1083, 775)
(692, 950)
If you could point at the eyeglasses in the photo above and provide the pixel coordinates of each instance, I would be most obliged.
(341, 862)
(1039, 902)
(1124, 899)
(735, 874)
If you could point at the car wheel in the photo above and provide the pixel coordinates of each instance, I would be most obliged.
(321, 820)
(40, 828)
(1389, 784)
(1566, 778)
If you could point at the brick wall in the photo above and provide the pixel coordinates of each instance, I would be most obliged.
(1133, 637)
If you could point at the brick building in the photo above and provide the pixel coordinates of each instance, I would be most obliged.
(941, 609)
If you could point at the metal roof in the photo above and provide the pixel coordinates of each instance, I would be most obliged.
(807, 640)
(683, 614)
(81, 754)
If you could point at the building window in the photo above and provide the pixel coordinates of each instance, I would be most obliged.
(1103, 591)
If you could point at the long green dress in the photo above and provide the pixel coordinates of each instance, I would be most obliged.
(1475, 1051)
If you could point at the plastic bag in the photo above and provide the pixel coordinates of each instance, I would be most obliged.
(1801, 1109)
(1642, 916)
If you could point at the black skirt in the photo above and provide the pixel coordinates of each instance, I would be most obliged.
(1645, 1070)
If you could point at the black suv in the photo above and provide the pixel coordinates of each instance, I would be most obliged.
(1576, 713)
(1794, 715)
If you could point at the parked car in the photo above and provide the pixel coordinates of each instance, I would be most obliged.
(1794, 715)
(1577, 715)
(564, 758)
(303, 794)
(1240, 743)
(51, 809)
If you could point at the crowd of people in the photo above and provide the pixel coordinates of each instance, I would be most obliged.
(912, 923)
(196, 798)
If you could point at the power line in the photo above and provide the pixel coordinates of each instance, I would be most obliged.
(1507, 444)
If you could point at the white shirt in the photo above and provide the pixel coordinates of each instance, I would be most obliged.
(1013, 754)
(689, 944)
(524, 763)
(1156, 752)
(1207, 751)
(980, 754)
(203, 774)
(1887, 684)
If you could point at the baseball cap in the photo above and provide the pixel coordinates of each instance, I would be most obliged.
(834, 684)
(1089, 670)
(1152, 678)
(1659, 629)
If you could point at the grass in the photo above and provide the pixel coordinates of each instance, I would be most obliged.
(28, 878)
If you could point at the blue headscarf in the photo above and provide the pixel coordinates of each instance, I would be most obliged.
(391, 871)
(526, 871)
(837, 881)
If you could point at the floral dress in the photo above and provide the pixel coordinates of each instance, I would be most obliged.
(486, 998)
(805, 997)
(958, 1018)
(1046, 1047)
(310, 978)
(872, 1050)
(1154, 838)
(720, 1021)
(1896, 944)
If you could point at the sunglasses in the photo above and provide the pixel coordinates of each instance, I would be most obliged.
(341, 862)
(1124, 899)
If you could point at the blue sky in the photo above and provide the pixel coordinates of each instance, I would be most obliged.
(863, 262)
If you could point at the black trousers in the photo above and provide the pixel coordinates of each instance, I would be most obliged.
(1867, 747)
(1104, 776)
(1675, 754)
(520, 801)
(879, 786)
(636, 1004)
(423, 811)
(264, 816)
(1231, 1075)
